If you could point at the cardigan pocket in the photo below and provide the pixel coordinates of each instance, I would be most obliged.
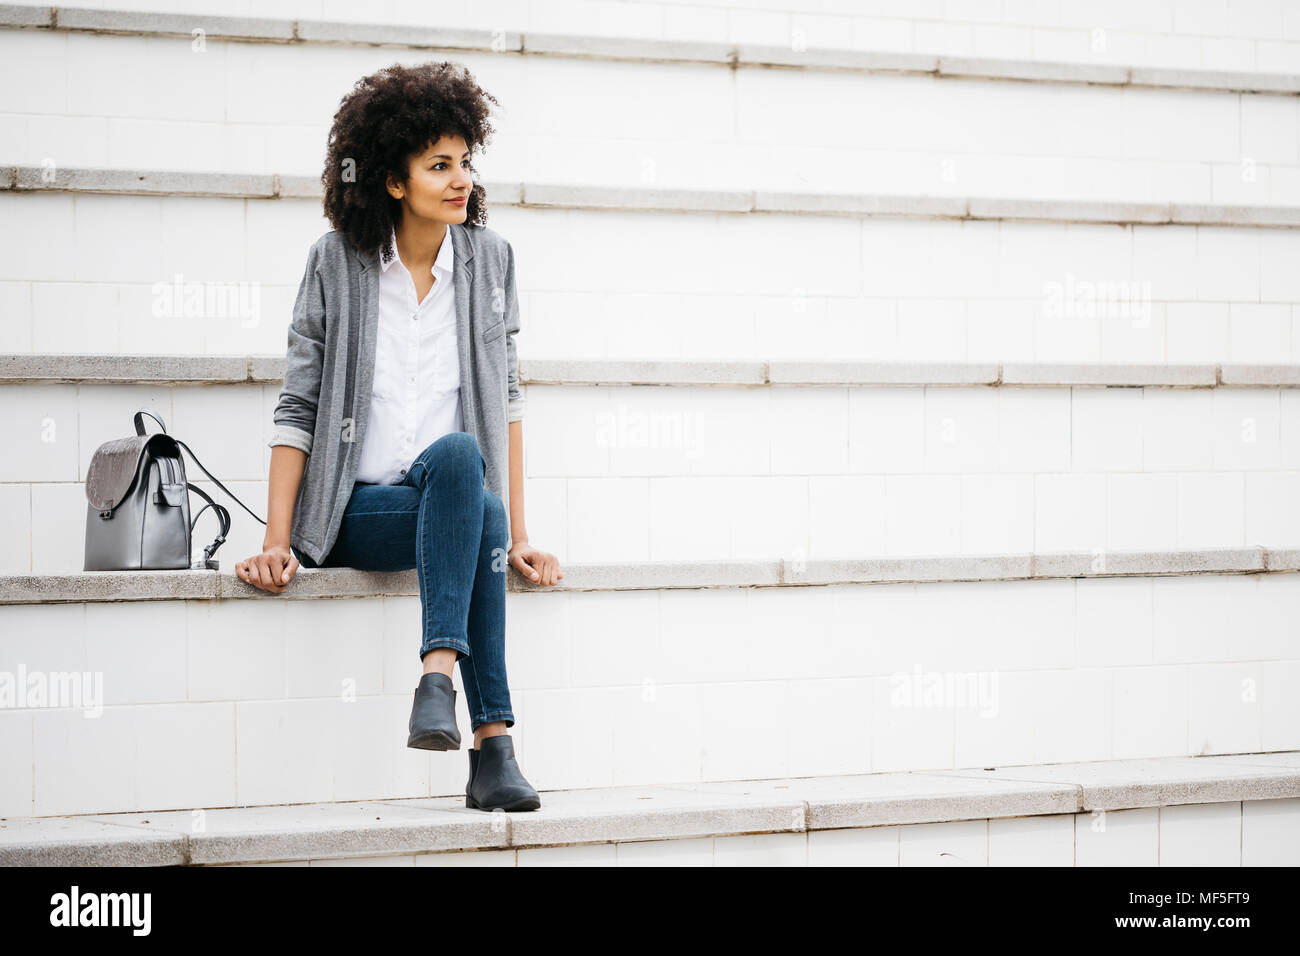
(494, 332)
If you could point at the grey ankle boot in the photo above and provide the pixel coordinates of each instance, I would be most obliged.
(433, 715)
(495, 780)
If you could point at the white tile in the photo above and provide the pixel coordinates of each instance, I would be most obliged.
(1117, 838)
(1204, 834)
(961, 843)
(696, 852)
(766, 849)
(599, 854)
(865, 846)
(1032, 841)
(1270, 832)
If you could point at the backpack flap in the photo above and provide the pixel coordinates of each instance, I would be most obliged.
(116, 464)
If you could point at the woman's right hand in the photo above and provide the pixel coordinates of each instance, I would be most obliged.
(271, 570)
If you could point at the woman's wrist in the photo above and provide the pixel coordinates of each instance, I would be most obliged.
(274, 541)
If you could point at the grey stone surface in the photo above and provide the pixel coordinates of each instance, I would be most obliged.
(1242, 82)
(1275, 376)
(297, 187)
(148, 182)
(883, 373)
(422, 825)
(96, 586)
(1207, 214)
(18, 368)
(861, 204)
(22, 15)
(1042, 70)
(1161, 781)
(1108, 373)
(557, 195)
(161, 369)
(925, 568)
(640, 372)
(822, 58)
(626, 48)
(1111, 563)
(1067, 210)
(636, 197)
(885, 799)
(645, 813)
(1282, 559)
(404, 35)
(308, 831)
(83, 841)
(266, 368)
(171, 24)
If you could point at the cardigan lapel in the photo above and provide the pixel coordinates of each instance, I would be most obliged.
(463, 279)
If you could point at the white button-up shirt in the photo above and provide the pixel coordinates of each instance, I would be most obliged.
(415, 399)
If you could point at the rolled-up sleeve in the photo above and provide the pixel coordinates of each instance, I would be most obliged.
(514, 393)
(295, 414)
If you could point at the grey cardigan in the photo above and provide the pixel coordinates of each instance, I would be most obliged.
(325, 402)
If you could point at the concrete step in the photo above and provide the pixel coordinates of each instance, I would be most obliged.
(1242, 810)
(185, 687)
(867, 289)
(933, 123)
(842, 461)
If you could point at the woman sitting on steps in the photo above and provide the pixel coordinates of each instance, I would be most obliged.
(400, 420)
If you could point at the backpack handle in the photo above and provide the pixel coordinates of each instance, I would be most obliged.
(139, 421)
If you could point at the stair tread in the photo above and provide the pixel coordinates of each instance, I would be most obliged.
(99, 586)
(602, 815)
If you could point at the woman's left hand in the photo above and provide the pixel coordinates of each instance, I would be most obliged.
(537, 566)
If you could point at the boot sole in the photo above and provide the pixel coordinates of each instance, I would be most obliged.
(437, 740)
(523, 803)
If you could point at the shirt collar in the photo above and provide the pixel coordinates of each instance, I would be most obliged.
(445, 255)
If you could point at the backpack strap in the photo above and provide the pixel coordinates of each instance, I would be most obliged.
(223, 519)
(214, 480)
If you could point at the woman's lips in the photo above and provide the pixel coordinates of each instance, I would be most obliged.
(457, 202)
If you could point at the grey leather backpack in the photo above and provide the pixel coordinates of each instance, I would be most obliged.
(138, 504)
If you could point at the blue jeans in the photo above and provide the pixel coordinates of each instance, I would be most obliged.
(442, 521)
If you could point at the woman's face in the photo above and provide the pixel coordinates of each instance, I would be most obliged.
(435, 178)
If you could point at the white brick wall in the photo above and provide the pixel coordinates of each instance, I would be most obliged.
(873, 289)
(1072, 670)
(96, 102)
(630, 473)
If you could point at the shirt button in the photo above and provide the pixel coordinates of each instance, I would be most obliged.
(403, 471)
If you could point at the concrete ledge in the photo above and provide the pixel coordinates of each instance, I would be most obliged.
(22, 16)
(640, 372)
(149, 23)
(46, 367)
(882, 373)
(1169, 781)
(648, 50)
(1103, 374)
(1276, 376)
(172, 369)
(402, 35)
(160, 182)
(322, 583)
(603, 815)
(146, 182)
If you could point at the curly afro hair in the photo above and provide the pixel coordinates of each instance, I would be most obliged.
(385, 119)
